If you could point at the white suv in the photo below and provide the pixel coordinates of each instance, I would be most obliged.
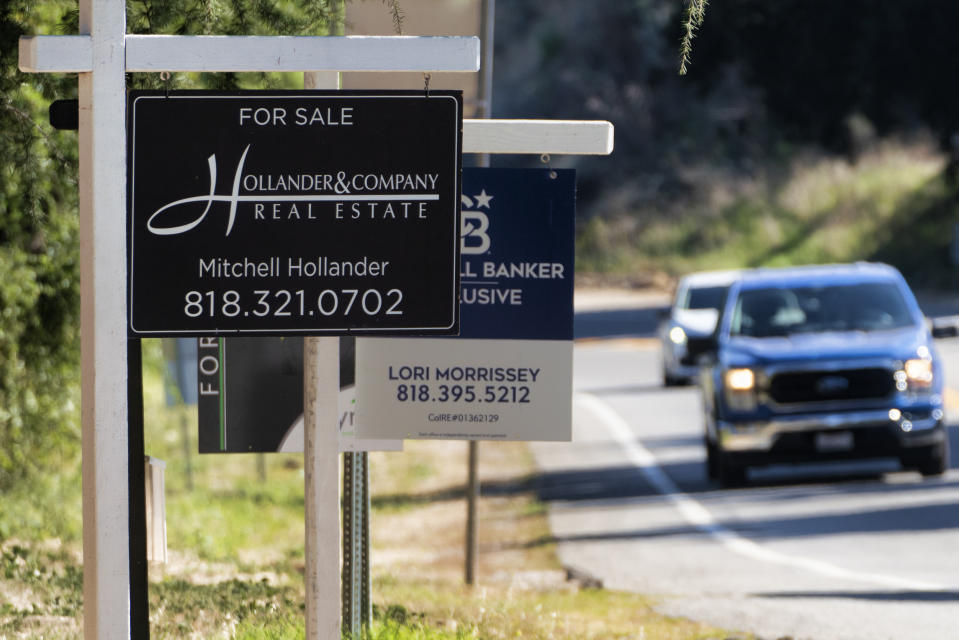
(686, 331)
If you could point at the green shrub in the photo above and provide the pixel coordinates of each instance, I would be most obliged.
(39, 289)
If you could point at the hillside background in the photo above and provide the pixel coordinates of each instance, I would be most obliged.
(805, 130)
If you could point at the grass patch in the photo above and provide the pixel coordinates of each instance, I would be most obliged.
(896, 204)
(235, 530)
(40, 591)
(230, 608)
(49, 507)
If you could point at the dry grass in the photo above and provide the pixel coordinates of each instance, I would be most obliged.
(815, 209)
(236, 546)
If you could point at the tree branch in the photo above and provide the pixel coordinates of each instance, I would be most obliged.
(695, 13)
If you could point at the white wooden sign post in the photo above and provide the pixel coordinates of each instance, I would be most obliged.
(102, 54)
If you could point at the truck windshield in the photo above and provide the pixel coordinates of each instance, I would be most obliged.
(873, 306)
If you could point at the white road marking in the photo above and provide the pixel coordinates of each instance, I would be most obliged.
(698, 516)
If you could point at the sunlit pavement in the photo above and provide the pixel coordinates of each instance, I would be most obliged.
(858, 550)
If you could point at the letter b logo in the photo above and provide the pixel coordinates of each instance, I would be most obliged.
(473, 237)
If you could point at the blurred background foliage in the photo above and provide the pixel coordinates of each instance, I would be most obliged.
(768, 151)
(39, 285)
(39, 252)
(805, 131)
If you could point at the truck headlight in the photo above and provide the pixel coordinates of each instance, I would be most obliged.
(916, 373)
(740, 380)
(740, 385)
(677, 335)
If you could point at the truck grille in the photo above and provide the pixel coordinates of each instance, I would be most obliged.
(827, 386)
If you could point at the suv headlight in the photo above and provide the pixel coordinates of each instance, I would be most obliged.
(915, 374)
(677, 335)
(740, 386)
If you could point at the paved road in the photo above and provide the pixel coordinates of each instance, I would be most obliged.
(841, 551)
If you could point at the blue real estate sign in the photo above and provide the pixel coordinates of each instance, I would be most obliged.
(516, 242)
(508, 375)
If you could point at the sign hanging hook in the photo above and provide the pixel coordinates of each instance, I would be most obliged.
(165, 79)
(426, 84)
(545, 160)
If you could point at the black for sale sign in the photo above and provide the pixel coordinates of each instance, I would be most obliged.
(307, 213)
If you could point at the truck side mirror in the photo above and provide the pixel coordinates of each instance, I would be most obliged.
(944, 327)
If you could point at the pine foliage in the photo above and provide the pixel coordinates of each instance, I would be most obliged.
(695, 14)
(229, 17)
(39, 288)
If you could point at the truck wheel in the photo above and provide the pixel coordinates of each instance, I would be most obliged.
(669, 380)
(934, 460)
(730, 474)
(712, 460)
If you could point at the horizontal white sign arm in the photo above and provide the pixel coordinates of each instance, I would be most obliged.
(56, 54)
(44, 54)
(575, 137)
(302, 53)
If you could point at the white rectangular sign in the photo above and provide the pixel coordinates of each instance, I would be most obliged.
(464, 389)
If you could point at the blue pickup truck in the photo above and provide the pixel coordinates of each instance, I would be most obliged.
(822, 362)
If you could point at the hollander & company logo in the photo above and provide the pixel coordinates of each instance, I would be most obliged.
(291, 197)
